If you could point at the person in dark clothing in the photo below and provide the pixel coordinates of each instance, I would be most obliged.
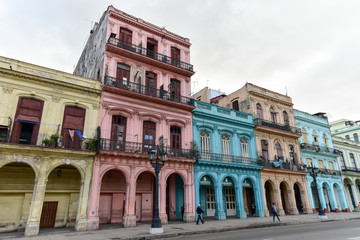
(182, 212)
(275, 213)
(199, 211)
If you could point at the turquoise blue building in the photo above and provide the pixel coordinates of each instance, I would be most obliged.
(226, 173)
(317, 150)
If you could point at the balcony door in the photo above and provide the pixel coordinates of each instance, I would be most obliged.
(174, 89)
(74, 118)
(175, 56)
(264, 149)
(125, 36)
(151, 84)
(118, 133)
(27, 121)
(149, 133)
(175, 140)
(151, 48)
(122, 75)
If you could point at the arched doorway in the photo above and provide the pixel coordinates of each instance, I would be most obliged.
(337, 197)
(61, 199)
(284, 198)
(112, 197)
(298, 200)
(174, 197)
(145, 198)
(348, 191)
(269, 195)
(249, 197)
(327, 207)
(207, 196)
(229, 196)
(16, 189)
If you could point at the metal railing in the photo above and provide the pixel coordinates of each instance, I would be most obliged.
(153, 92)
(218, 157)
(288, 128)
(317, 148)
(329, 172)
(283, 165)
(133, 147)
(151, 54)
(350, 169)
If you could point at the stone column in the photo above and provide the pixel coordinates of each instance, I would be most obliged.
(129, 219)
(292, 202)
(332, 200)
(266, 207)
(33, 223)
(278, 201)
(356, 199)
(162, 201)
(219, 212)
(189, 214)
(306, 201)
(93, 217)
(81, 219)
(240, 211)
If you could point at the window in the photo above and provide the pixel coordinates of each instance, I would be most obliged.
(356, 137)
(225, 143)
(174, 89)
(151, 84)
(321, 164)
(304, 136)
(273, 115)
(149, 133)
(352, 160)
(125, 36)
(151, 48)
(259, 111)
(235, 105)
(264, 149)
(175, 137)
(118, 133)
(175, 56)
(122, 75)
(331, 166)
(292, 154)
(286, 118)
(27, 121)
(309, 162)
(325, 140)
(73, 124)
(342, 160)
(315, 138)
(205, 141)
(244, 147)
(347, 137)
(278, 150)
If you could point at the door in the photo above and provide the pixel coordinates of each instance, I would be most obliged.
(105, 208)
(151, 48)
(149, 131)
(175, 56)
(118, 133)
(174, 89)
(230, 201)
(122, 76)
(74, 118)
(151, 84)
(264, 149)
(138, 206)
(125, 38)
(48, 214)
(210, 201)
(175, 140)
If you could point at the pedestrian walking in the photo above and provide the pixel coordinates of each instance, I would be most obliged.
(275, 213)
(182, 212)
(199, 211)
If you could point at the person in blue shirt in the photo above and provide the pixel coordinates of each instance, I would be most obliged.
(275, 213)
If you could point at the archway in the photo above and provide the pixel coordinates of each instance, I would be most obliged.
(298, 199)
(327, 207)
(112, 197)
(249, 197)
(207, 196)
(174, 197)
(16, 189)
(337, 197)
(348, 191)
(269, 195)
(61, 199)
(229, 196)
(284, 198)
(145, 197)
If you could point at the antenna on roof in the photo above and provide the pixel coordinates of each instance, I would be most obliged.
(286, 90)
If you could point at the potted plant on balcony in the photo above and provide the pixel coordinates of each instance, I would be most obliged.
(91, 144)
(52, 141)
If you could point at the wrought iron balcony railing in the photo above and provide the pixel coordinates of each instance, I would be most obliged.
(283, 165)
(329, 172)
(288, 128)
(133, 147)
(350, 169)
(317, 148)
(151, 54)
(153, 92)
(218, 157)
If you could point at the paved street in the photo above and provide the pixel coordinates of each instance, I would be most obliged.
(178, 229)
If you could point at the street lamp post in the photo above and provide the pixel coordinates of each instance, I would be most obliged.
(313, 173)
(156, 227)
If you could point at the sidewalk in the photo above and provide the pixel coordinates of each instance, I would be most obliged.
(174, 229)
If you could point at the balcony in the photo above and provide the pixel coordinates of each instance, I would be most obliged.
(329, 172)
(317, 148)
(133, 147)
(280, 163)
(222, 158)
(160, 59)
(350, 169)
(147, 91)
(286, 128)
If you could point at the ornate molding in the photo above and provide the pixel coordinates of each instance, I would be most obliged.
(7, 90)
(55, 98)
(96, 106)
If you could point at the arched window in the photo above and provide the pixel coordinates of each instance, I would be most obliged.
(225, 142)
(259, 111)
(205, 141)
(331, 166)
(278, 150)
(286, 118)
(315, 138)
(273, 115)
(321, 164)
(309, 162)
(325, 140)
(342, 160)
(244, 147)
(304, 136)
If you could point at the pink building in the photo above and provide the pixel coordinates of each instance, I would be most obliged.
(145, 102)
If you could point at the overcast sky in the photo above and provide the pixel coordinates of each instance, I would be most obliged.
(310, 47)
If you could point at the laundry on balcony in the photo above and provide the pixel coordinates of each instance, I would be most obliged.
(278, 163)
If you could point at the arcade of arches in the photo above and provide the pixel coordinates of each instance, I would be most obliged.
(287, 189)
(38, 191)
(124, 193)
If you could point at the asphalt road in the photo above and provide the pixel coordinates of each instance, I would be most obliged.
(347, 230)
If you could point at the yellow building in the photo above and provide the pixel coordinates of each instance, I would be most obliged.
(48, 136)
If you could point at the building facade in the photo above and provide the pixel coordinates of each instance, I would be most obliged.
(227, 172)
(145, 73)
(344, 135)
(283, 175)
(48, 137)
(317, 151)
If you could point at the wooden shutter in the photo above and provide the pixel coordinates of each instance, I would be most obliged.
(125, 35)
(149, 133)
(175, 137)
(151, 84)
(74, 118)
(122, 75)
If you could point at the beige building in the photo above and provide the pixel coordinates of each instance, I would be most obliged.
(48, 135)
(283, 176)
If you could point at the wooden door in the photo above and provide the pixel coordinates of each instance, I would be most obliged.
(174, 89)
(118, 133)
(151, 48)
(74, 118)
(48, 214)
(125, 36)
(149, 133)
(122, 75)
(175, 56)
(138, 206)
(175, 140)
(151, 84)
(105, 208)
(210, 201)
